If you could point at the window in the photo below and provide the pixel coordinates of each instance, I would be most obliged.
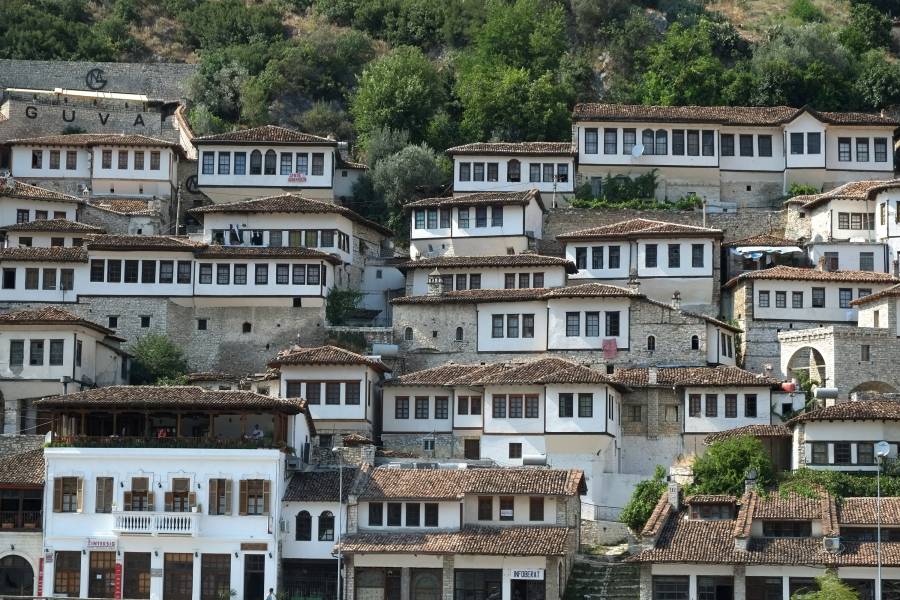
(591, 140)
(796, 299)
(49, 280)
(612, 323)
(674, 256)
(697, 256)
(515, 450)
(67, 574)
(764, 145)
(145, 321)
(498, 401)
(22, 215)
(610, 141)
(780, 299)
(16, 353)
(465, 171)
(351, 393)
(326, 526)
(585, 405)
(581, 258)
(537, 280)
(764, 299)
(650, 256)
(515, 406)
(36, 353)
(746, 145)
(485, 508)
(394, 514)
(154, 160)
(67, 493)
(496, 216)
(647, 140)
(271, 159)
(209, 161)
(566, 404)
(112, 321)
(651, 343)
(573, 324)
(376, 514)
(256, 163)
(240, 163)
(255, 498)
(862, 149)
(880, 149)
(422, 407)
(31, 278)
(842, 453)
(709, 144)
(497, 326)
(113, 271)
(863, 292)
(513, 173)
(431, 514)
(492, 171)
(56, 352)
(261, 274)
(37, 159)
(614, 256)
(71, 160)
(818, 297)
(662, 142)
(693, 142)
(867, 261)
(813, 143)
(528, 326)
(865, 453)
(695, 342)
(206, 271)
(796, 143)
(845, 296)
(401, 407)
(512, 326)
(122, 156)
(412, 514)
(287, 163)
(750, 405)
(54, 159)
(507, 508)
(694, 402)
(727, 144)
(864, 353)
(184, 271)
(844, 149)
(481, 216)
(712, 405)
(730, 406)
(633, 413)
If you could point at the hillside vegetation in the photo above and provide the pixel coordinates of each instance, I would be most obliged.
(403, 79)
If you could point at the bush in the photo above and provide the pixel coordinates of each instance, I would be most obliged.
(643, 500)
(806, 11)
(340, 305)
(156, 358)
(807, 482)
(830, 588)
(801, 189)
(724, 467)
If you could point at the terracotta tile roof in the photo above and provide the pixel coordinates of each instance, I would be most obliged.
(211, 376)
(321, 485)
(765, 239)
(861, 511)
(498, 261)
(53, 225)
(692, 376)
(140, 242)
(50, 315)
(501, 541)
(790, 506)
(593, 290)
(325, 355)
(271, 134)
(170, 397)
(639, 228)
(449, 374)
(658, 517)
(539, 371)
(56, 254)
(22, 469)
(299, 252)
(124, 206)
(356, 439)
(384, 482)
(891, 292)
(12, 188)
(94, 139)
(343, 163)
(797, 274)
(854, 190)
(520, 148)
(758, 431)
(475, 296)
(289, 203)
(725, 115)
(711, 499)
(863, 410)
(800, 198)
(478, 198)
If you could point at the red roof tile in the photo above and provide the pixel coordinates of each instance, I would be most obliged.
(639, 228)
(325, 355)
(498, 261)
(271, 134)
(692, 376)
(499, 541)
(50, 315)
(854, 190)
(124, 206)
(172, 397)
(54, 225)
(725, 115)
(797, 274)
(862, 410)
(55, 254)
(758, 431)
(516, 148)
(11, 188)
(94, 139)
(480, 198)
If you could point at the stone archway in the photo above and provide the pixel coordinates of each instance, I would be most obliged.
(875, 386)
(808, 360)
(16, 576)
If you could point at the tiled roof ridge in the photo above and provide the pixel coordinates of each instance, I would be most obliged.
(786, 273)
(658, 517)
(20, 189)
(90, 139)
(50, 314)
(744, 518)
(853, 190)
(53, 225)
(499, 197)
(267, 133)
(854, 410)
(762, 239)
(325, 354)
(524, 148)
(772, 430)
(637, 227)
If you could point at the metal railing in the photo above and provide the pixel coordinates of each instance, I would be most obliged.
(153, 523)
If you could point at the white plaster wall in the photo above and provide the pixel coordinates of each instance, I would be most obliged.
(805, 123)
(538, 343)
(833, 133)
(557, 309)
(391, 424)
(754, 162)
(323, 373)
(646, 160)
(849, 255)
(496, 447)
(491, 277)
(20, 294)
(520, 511)
(825, 222)
(662, 258)
(524, 183)
(599, 420)
(313, 549)
(507, 425)
(621, 272)
(9, 206)
(704, 424)
(274, 181)
(513, 224)
(831, 312)
(448, 515)
(21, 162)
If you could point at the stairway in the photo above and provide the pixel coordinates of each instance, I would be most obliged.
(597, 579)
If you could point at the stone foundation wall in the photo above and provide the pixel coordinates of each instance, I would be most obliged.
(446, 445)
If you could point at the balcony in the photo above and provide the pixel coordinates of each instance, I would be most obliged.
(27, 520)
(153, 523)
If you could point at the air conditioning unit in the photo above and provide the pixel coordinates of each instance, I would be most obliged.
(293, 463)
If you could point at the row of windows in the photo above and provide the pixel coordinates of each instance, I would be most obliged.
(432, 218)
(23, 215)
(417, 514)
(696, 405)
(461, 281)
(592, 324)
(537, 172)
(515, 406)
(351, 391)
(859, 221)
(303, 529)
(288, 164)
(164, 271)
(651, 256)
(833, 261)
(168, 271)
(508, 503)
(845, 153)
(422, 407)
(45, 279)
(512, 329)
(843, 453)
(36, 353)
(690, 141)
(845, 296)
(307, 238)
(745, 144)
(27, 241)
(122, 159)
(613, 255)
(284, 274)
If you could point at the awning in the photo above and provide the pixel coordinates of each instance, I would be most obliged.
(758, 251)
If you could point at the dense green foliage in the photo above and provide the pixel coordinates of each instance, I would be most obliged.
(340, 304)
(830, 588)
(157, 361)
(724, 466)
(843, 484)
(644, 498)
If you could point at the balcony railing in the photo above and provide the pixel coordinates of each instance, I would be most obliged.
(28, 520)
(153, 523)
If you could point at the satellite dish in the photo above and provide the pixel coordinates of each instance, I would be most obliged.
(882, 449)
(637, 150)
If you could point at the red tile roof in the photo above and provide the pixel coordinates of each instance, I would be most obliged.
(854, 190)
(725, 115)
(325, 355)
(499, 541)
(55, 254)
(94, 139)
(50, 315)
(891, 292)
(22, 469)
(861, 511)
(639, 228)
(268, 134)
(797, 274)
(593, 290)
(757, 431)
(480, 198)
(498, 261)
(54, 225)
(12, 188)
(141, 242)
(516, 148)
(692, 376)
(765, 239)
(124, 206)
(320, 485)
(862, 410)
(298, 252)
(532, 372)
(658, 517)
(172, 397)
(475, 296)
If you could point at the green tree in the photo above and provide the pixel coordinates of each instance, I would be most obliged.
(384, 142)
(724, 466)
(414, 172)
(401, 90)
(878, 82)
(155, 358)
(217, 86)
(529, 34)
(867, 29)
(806, 11)
(340, 304)
(221, 23)
(326, 119)
(830, 588)
(643, 500)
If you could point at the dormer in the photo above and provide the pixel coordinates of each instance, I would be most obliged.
(707, 507)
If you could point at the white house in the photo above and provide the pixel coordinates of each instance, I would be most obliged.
(663, 257)
(341, 388)
(748, 155)
(512, 271)
(476, 224)
(48, 233)
(99, 164)
(21, 518)
(485, 533)
(166, 492)
(24, 203)
(548, 167)
(267, 160)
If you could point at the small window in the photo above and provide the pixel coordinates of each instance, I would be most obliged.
(864, 354)
(408, 334)
(536, 508)
(145, 321)
(515, 450)
(485, 508)
(507, 508)
(376, 514)
(651, 343)
(764, 299)
(246, 327)
(459, 334)
(202, 324)
(695, 342)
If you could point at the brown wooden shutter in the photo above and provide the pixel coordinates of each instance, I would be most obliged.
(151, 504)
(192, 499)
(108, 496)
(169, 500)
(57, 494)
(126, 501)
(228, 505)
(267, 492)
(242, 502)
(213, 504)
(80, 494)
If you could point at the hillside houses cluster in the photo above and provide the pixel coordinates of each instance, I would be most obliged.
(502, 382)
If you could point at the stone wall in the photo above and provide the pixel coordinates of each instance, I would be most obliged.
(113, 222)
(446, 445)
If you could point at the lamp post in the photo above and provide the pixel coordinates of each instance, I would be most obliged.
(340, 525)
(882, 449)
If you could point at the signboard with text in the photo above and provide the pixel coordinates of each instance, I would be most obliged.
(534, 574)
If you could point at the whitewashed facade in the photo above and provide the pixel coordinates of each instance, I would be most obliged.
(548, 167)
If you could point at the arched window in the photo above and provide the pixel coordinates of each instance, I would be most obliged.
(256, 163)
(459, 334)
(662, 142)
(425, 586)
(303, 527)
(247, 327)
(695, 342)
(326, 527)
(651, 342)
(647, 139)
(408, 334)
(514, 170)
(271, 159)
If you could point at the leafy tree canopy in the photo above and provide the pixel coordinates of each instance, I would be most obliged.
(156, 358)
(643, 500)
(724, 466)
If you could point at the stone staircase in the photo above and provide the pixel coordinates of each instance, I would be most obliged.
(608, 578)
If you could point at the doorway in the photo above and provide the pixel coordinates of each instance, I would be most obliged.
(136, 578)
(426, 584)
(254, 576)
(102, 575)
(16, 576)
(527, 589)
(178, 576)
(472, 449)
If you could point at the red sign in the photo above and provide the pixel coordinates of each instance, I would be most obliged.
(40, 590)
(118, 586)
(297, 178)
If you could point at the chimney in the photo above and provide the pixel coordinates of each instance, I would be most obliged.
(676, 300)
(820, 265)
(633, 284)
(674, 492)
(652, 375)
(750, 480)
(435, 284)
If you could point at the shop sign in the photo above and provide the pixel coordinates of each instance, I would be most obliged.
(101, 544)
(297, 178)
(534, 574)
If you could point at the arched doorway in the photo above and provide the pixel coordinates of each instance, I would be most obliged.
(426, 584)
(16, 576)
(808, 360)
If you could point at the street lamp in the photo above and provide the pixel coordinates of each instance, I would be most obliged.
(882, 450)
(340, 525)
